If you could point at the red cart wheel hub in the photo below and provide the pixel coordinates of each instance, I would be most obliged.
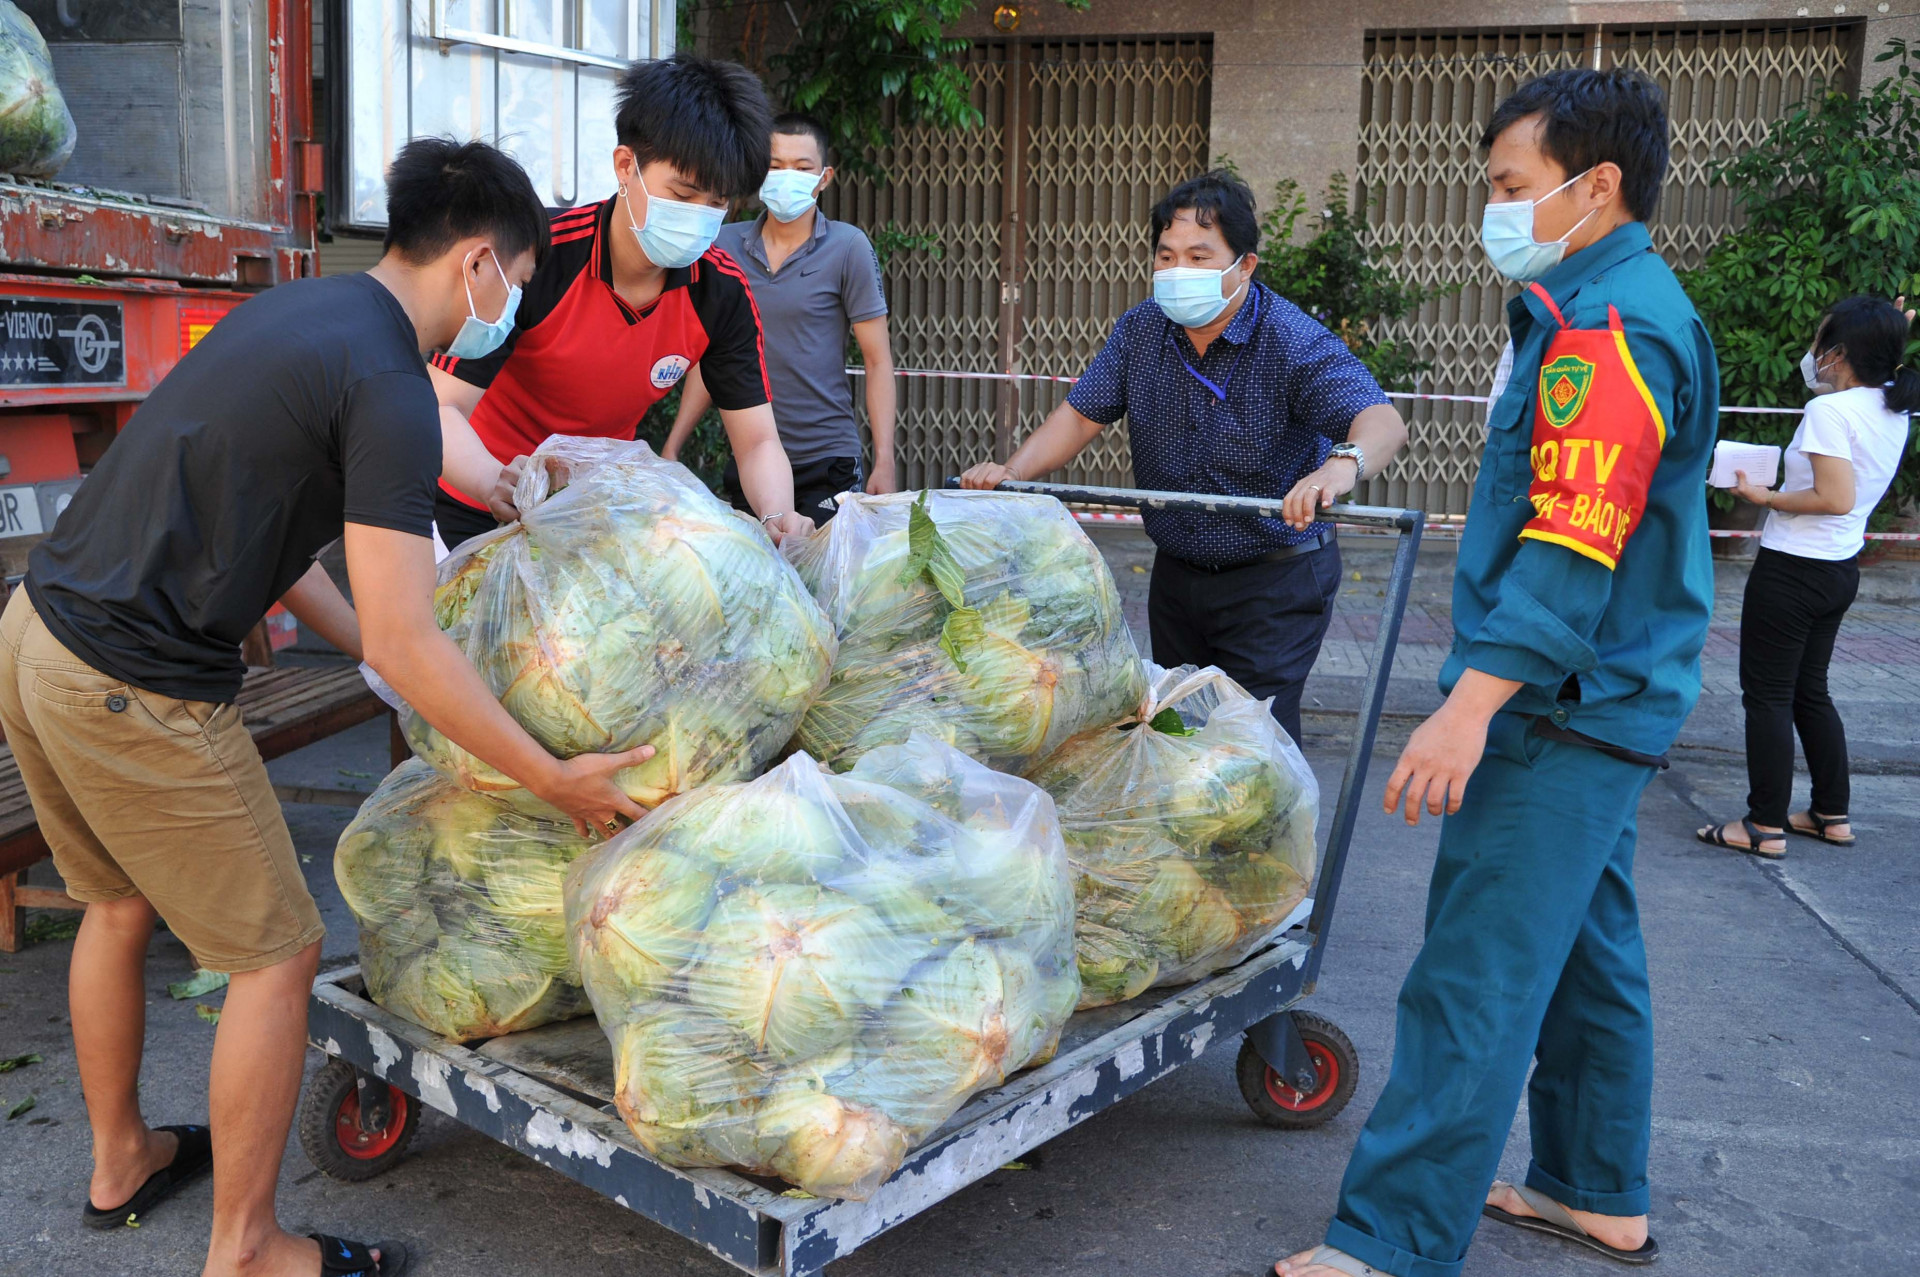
(1326, 1074)
(367, 1145)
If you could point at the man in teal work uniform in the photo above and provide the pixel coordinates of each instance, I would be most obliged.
(1580, 606)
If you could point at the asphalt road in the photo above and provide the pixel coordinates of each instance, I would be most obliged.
(1787, 1135)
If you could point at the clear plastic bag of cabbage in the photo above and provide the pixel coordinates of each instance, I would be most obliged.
(36, 129)
(806, 974)
(1191, 830)
(987, 619)
(459, 905)
(630, 607)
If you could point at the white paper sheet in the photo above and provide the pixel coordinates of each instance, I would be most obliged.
(1759, 461)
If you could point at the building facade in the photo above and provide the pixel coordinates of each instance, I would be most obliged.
(1040, 215)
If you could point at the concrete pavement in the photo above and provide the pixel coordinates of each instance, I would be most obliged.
(1787, 1137)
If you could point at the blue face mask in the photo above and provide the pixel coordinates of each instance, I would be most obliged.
(675, 233)
(1506, 233)
(789, 192)
(477, 337)
(1190, 296)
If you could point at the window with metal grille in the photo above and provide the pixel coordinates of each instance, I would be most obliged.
(1425, 97)
(1041, 216)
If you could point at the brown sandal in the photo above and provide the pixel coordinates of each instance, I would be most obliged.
(1819, 831)
(1716, 836)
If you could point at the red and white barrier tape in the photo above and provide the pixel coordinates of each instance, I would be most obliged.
(955, 375)
(1110, 516)
(1126, 518)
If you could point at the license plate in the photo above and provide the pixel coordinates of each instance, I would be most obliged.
(20, 512)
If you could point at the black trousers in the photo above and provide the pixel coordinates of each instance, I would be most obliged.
(815, 485)
(1788, 621)
(1262, 624)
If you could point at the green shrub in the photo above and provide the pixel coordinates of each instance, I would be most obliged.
(1831, 202)
(1340, 280)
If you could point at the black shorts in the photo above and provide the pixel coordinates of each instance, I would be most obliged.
(815, 485)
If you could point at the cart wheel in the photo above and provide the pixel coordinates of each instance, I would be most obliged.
(330, 1125)
(1336, 1068)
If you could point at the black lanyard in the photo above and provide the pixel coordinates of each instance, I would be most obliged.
(1220, 390)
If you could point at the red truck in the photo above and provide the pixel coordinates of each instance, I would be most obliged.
(193, 184)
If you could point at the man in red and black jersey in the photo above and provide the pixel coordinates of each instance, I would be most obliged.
(632, 296)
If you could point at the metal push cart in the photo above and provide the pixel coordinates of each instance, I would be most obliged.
(548, 1091)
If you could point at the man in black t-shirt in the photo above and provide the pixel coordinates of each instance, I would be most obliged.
(304, 417)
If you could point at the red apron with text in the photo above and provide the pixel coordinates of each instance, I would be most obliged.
(1597, 436)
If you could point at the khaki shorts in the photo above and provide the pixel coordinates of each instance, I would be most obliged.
(141, 794)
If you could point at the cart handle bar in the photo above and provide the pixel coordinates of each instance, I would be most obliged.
(1373, 692)
(1199, 502)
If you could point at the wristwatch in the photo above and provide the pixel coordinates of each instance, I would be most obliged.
(1353, 453)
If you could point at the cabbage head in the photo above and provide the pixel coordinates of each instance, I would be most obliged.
(1115, 966)
(830, 1146)
(645, 923)
(953, 1010)
(688, 1087)
(795, 969)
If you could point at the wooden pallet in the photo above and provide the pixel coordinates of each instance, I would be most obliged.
(285, 708)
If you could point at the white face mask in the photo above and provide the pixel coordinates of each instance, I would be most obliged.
(1190, 295)
(1506, 233)
(1813, 374)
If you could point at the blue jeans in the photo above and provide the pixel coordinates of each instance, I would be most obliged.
(1532, 953)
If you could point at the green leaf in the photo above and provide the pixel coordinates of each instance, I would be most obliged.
(928, 551)
(1169, 722)
(24, 1106)
(963, 629)
(210, 1014)
(199, 985)
(17, 1062)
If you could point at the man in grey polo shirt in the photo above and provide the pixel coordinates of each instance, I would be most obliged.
(813, 280)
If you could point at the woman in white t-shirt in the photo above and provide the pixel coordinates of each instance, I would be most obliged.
(1840, 463)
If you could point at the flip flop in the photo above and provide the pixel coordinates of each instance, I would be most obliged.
(192, 1159)
(1819, 831)
(1341, 1262)
(1717, 837)
(1556, 1221)
(340, 1258)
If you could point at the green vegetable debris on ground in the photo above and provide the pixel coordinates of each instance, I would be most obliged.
(1191, 830)
(458, 900)
(201, 983)
(987, 619)
(806, 974)
(629, 606)
(11, 1063)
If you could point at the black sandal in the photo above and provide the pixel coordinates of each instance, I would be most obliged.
(1819, 831)
(1552, 1218)
(192, 1159)
(351, 1259)
(1716, 836)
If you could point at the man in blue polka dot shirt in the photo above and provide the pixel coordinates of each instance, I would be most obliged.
(1227, 387)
